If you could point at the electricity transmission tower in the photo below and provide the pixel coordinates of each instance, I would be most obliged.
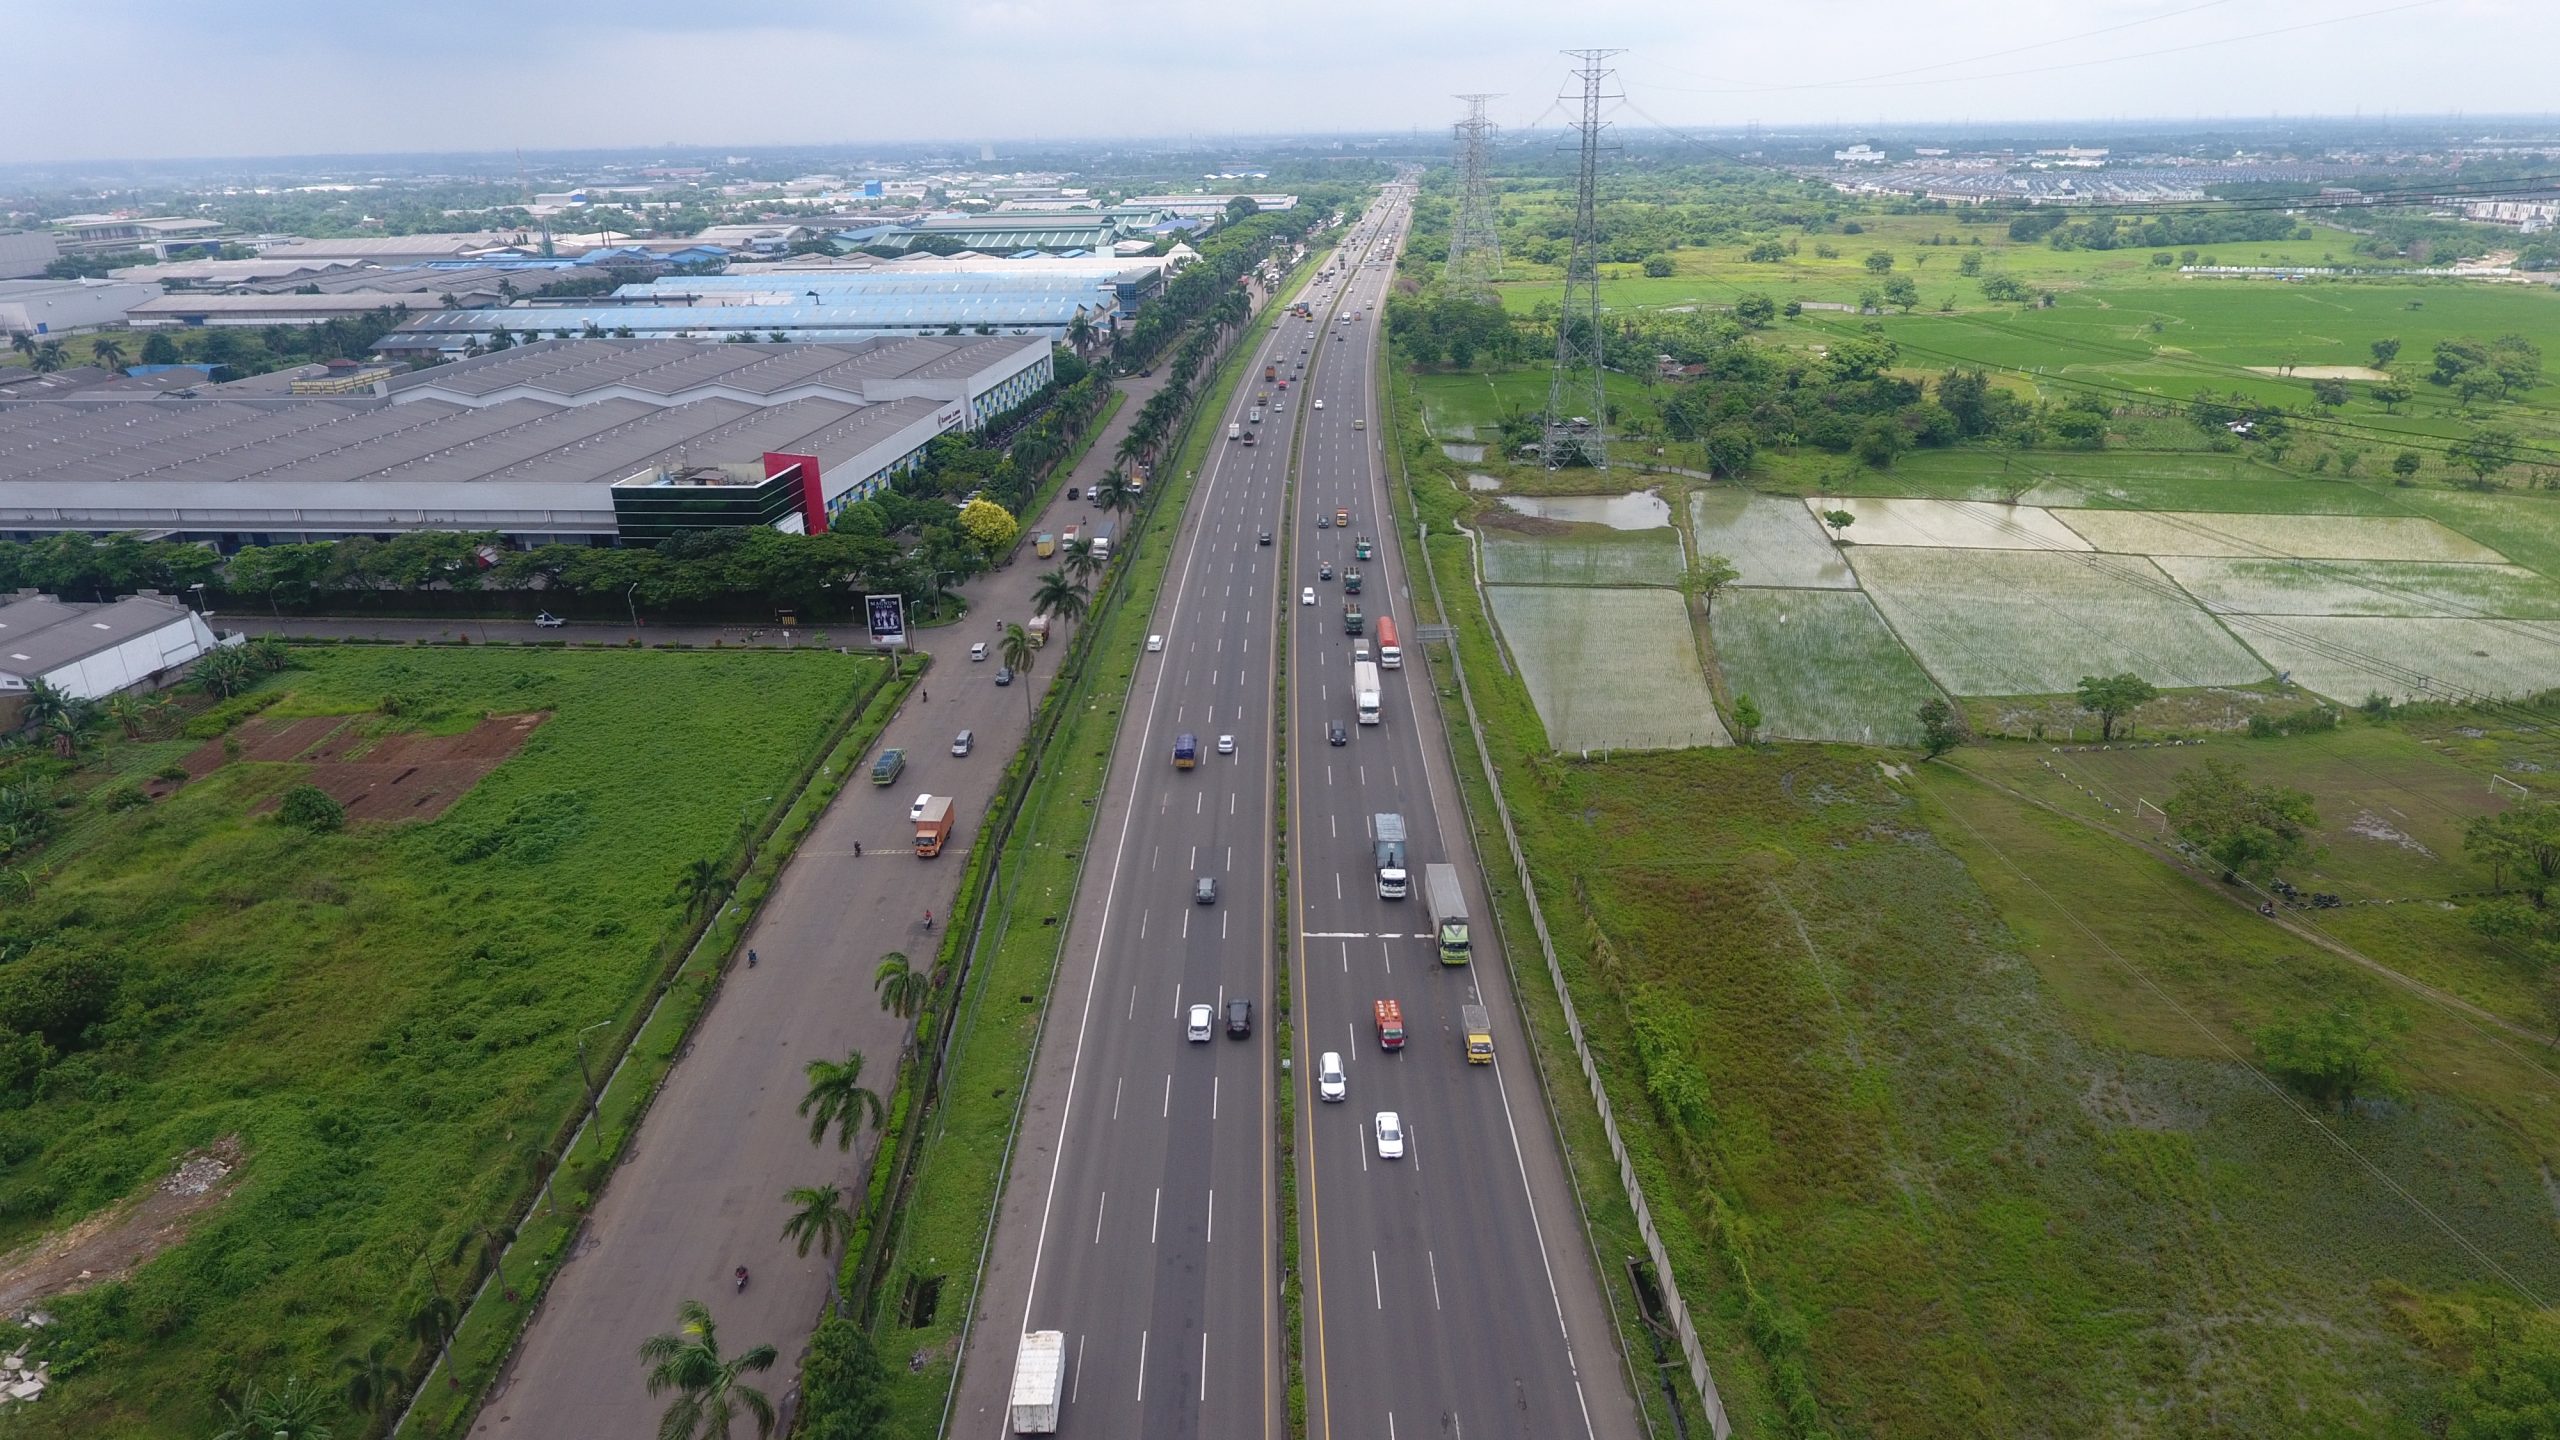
(1475, 245)
(1577, 398)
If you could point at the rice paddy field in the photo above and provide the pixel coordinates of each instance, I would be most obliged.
(1608, 668)
(2363, 587)
(2310, 537)
(1821, 665)
(1552, 553)
(1960, 524)
(1772, 541)
(2027, 622)
(2348, 657)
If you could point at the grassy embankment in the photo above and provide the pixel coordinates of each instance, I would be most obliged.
(385, 1016)
(1940, 1096)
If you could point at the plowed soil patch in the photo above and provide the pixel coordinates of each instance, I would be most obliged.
(400, 776)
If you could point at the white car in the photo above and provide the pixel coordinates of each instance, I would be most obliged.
(916, 811)
(1226, 744)
(1319, 404)
(1331, 1083)
(1200, 1028)
(1390, 1136)
(1307, 596)
(978, 651)
(1154, 643)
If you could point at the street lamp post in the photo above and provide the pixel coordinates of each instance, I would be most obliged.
(628, 598)
(586, 1074)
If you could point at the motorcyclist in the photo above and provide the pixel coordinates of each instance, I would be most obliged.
(742, 1277)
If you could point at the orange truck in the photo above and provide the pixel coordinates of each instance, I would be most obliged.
(1390, 1025)
(933, 827)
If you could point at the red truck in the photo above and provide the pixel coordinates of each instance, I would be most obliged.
(1390, 1025)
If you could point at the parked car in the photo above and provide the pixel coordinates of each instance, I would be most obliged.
(1331, 1083)
(1390, 1135)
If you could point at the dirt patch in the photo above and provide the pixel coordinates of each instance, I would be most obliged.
(2321, 372)
(1515, 523)
(374, 775)
(116, 1241)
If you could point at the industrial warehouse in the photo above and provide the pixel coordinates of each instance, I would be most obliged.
(594, 441)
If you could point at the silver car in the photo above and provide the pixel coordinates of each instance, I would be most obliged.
(1331, 1083)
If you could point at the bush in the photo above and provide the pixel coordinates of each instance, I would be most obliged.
(310, 807)
(57, 997)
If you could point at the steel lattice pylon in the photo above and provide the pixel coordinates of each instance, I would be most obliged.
(1475, 245)
(1577, 420)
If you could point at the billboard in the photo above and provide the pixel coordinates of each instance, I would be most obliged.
(888, 614)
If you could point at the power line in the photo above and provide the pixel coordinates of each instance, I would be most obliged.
(1580, 376)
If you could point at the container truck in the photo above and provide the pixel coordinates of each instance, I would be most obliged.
(1039, 1379)
(933, 827)
(1390, 654)
(1270, 372)
(1387, 828)
(1479, 1027)
(1364, 690)
(1448, 912)
(1390, 1018)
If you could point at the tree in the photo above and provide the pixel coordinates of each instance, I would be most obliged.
(2390, 395)
(847, 1387)
(1879, 261)
(2384, 352)
(1839, 521)
(818, 1217)
(2513, 1389)
(2405, 465)
(2520, 845)
(710, 1388)
(2331, 393)
(1657, 266)
(902, 987)
(1018, 653)
(2333, 1056)
(1058, 598)
(2251, 831)
(1746, 718)
(1883, 441)
(1940, 728)
(1902, 292)
(107, 351)
(159, 349)
(1755, 310)
(373, 1383)
(310, 807)
(989, 524)
(432, 1324)
(49, 357)
(1707, 577)
(699, 884)
(838, 1098)
(2484, 453)
(288, 1413)
(2113, 697)
(1077, 557)
(1731, 447)
(1969, 264)
(223, 673)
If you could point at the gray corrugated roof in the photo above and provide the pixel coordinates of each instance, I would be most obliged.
(41, 634)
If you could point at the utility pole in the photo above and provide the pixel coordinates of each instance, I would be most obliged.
(1579, 383)
(1475, 244)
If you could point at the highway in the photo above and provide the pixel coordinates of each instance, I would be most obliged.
(1140, 1216)
(1450, 1293)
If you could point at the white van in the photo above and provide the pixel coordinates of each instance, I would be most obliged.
(1234, 431)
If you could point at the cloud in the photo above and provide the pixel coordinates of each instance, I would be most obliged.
(292, 77)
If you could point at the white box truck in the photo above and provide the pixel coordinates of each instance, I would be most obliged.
(1364, 690)
(1039, 1379)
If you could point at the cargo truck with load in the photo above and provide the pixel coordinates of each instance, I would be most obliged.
(1479, 1027)
(1037, 627)
(1387, 829)
(1351, 618)
(1448, 912)
(1186, 751)
(1101, 546)
(1364, 691)
(933, 826)
(1044, 544)
(1039, 1381)
(1390, 1017)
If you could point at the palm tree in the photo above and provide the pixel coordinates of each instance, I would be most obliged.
(290, 1413)
(48, 357)
(432, 1324)
(373, 1382)
(902, 987)
(22, 341)
(1080, 332)
(698, 884)
(819, 1220)
(492, 1240)
(1078, 558)
(108, 351)
(839, 1098)
(710, 1387)
(1112, 492)
(1058, 597)
(1019, 653)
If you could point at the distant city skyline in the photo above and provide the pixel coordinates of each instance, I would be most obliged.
(298, 78)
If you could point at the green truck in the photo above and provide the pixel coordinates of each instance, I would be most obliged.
(887, 769)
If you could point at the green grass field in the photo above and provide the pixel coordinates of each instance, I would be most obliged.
(1821, 666)
(383, 1016)
(1611, 669)
(2024, 622)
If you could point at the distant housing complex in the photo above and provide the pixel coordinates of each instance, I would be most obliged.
(582, 441)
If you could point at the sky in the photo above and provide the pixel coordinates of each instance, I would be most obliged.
(156, 79)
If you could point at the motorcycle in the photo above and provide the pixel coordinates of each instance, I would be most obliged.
(742, 1279)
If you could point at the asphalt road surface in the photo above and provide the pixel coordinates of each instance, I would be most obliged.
(701, 1191)
(1138, 1218)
